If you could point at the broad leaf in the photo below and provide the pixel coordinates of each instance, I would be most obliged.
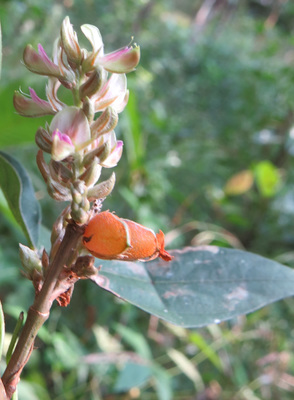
(267, 178)
(19, 193)
(202, 285)
(132, 375)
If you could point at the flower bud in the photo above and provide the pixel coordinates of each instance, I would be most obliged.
(69, 43)
(92, 84)
(58, 191)
(29, 260)
(44, 140)
(88, 109)
(43, 167)
(106, 151)
(79, 215)
(95, 153)
(77, 197)
(59, 172)
(103, 189)
(106, 122)
(92, 173)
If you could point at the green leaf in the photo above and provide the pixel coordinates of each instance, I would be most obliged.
(207, 350)
(19, 193)
(15, 336)
(267, 178)
(163, 383)
(200, 286)
(134, 139)
(137, 341)
(132, 375)
(2, 329)
(187, 367)
(0, 50)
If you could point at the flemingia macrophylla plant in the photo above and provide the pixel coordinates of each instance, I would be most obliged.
(190, 287)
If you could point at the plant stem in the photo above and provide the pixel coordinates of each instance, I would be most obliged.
(39, 312)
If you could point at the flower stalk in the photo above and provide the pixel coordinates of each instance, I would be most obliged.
(79, 144)
(40, 310)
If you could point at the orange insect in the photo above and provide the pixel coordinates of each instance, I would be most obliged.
(112, 238)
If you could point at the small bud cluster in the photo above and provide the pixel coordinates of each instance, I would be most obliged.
(80, 144)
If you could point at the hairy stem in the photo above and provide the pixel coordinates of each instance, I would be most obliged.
(39, 312)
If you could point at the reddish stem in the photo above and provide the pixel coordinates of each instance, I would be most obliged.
(39, 312)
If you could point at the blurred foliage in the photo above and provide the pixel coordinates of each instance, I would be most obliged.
(213, 96)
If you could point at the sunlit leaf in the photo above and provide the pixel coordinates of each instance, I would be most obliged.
(187, 367)
(200, 286)
(267, 178)
(19, 193)
(239, 183)
(206, 349)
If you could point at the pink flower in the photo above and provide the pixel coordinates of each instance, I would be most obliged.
(114, 156)
(71, 131)
(114, 93)
(120, 61)
(62, 146)
(40, 63)
(31, 106)
(113, 150)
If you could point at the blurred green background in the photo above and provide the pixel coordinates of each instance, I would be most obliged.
(208, 157)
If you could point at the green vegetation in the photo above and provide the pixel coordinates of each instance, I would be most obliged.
(208, 156)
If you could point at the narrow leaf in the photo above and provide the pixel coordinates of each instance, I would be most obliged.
(15, 335)
(206, 349)
(187, 367)
(0, 50)
(19, 193)
(163, 383)
(202, 285)
(2, 329)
